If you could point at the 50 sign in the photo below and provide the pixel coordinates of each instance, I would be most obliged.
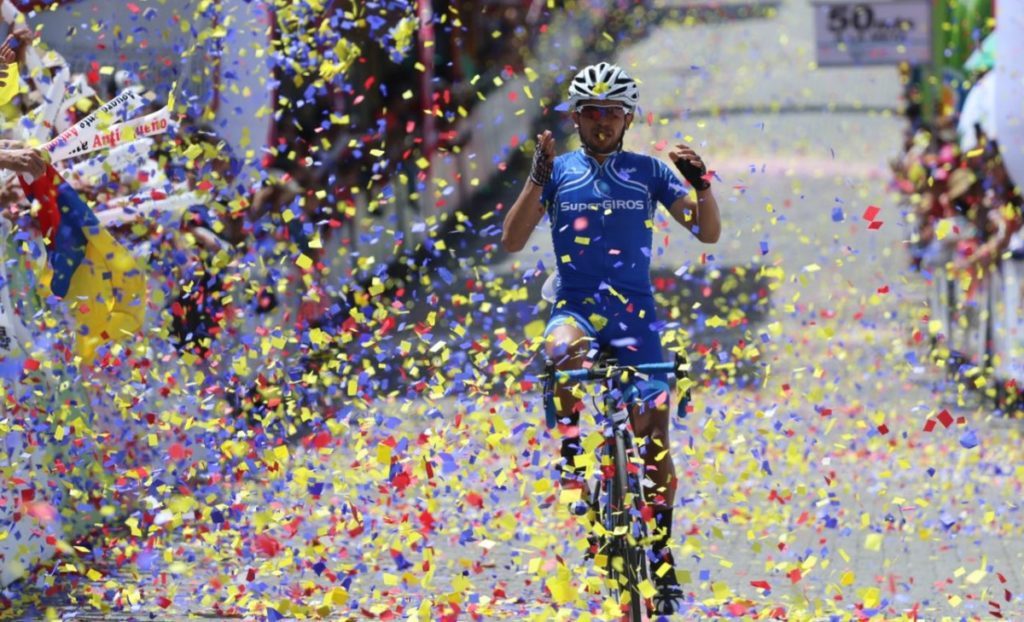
(856, 33)
(860, 19)
(841, 17)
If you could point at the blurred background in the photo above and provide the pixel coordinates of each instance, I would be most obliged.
(331, 406)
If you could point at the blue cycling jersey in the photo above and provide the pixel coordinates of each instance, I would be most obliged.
(602, 219)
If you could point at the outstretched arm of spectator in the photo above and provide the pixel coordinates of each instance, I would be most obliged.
(16, 157)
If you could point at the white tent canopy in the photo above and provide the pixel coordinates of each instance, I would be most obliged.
(979, 109)
(1009, 87)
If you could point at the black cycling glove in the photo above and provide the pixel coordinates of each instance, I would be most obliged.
(694, 175)
(540, 174)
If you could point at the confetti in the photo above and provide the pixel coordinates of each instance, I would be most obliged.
(332, 407)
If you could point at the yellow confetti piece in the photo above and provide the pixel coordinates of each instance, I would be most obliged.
(534, 329)
(569, 496)
(304, 262)
(975, 577)
(383, 454)
(715, 322)
(336, 597)
(562, 589)
(721, 590)
(193, 152)
(647, 589)
(281, 453)
(873, 542)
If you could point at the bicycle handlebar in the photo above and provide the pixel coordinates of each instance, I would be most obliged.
(598, 372)
(601, 371)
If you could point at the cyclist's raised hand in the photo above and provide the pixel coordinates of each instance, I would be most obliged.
(690, 165)
(543, 159)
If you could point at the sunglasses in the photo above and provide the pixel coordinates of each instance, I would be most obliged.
(593, 112)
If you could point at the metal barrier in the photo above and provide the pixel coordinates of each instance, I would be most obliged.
(978, 326)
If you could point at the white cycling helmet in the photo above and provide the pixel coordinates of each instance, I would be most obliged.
(604, 81)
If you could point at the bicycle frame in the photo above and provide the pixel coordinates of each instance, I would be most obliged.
(618, 500)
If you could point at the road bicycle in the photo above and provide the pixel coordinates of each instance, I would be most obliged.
(615, 498)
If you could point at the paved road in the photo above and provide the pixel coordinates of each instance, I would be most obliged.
(820, 491)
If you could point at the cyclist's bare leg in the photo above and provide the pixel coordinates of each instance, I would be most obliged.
(650, 425)
(567, 346)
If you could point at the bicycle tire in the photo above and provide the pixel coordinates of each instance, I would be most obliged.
(626, 529)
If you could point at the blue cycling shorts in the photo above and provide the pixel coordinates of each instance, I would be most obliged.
(628, 328)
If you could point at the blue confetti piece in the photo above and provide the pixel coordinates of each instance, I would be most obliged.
(837, 214)
(969, 440)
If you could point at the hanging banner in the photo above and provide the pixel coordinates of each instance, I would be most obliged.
(873, 33)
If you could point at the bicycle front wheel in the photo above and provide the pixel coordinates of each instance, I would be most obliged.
(627, 563)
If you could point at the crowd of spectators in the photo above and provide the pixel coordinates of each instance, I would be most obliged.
(220, 246)
(966, 240)
(964, 208)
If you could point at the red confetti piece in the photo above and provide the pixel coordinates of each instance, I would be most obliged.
(883, 429)
(945, 418)
(41, 511)
(737, 609)
(178, 452)
(401, 481)
(267, 545)
(427, 520)
(871, 212)
(875, 225)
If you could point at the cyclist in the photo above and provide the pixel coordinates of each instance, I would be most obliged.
(600, 201)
